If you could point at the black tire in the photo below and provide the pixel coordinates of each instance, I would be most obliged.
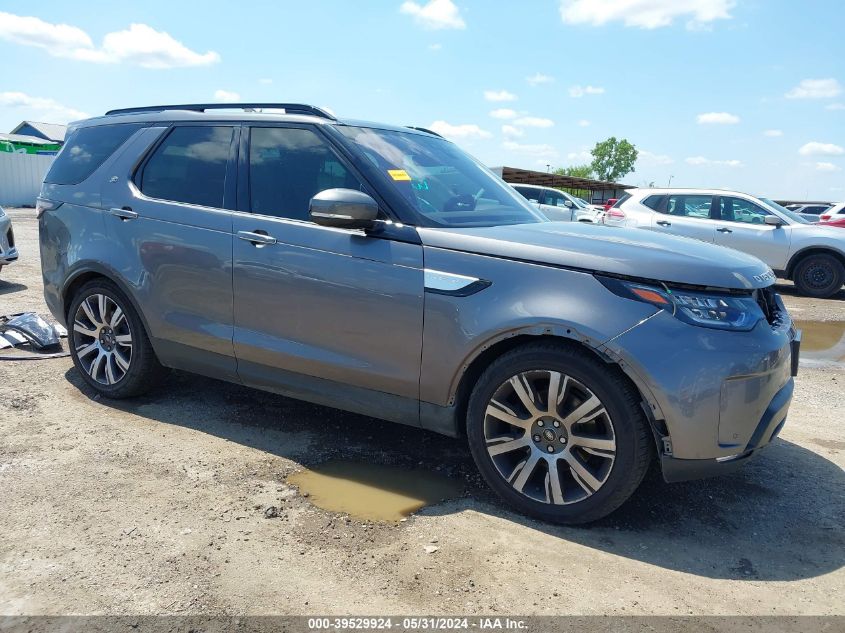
(819, 275)
(633, 440)
(143, 371)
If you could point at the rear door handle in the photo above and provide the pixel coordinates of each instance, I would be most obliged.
(124, 214)
(257, 238)
(724, 229)
(664, 223)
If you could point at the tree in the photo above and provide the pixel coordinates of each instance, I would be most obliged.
(576, 171)
(613, 159)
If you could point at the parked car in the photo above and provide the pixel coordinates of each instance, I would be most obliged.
(558, 205)
(810, 212)
(835, 222)
(609, 204)
(795, 249)
(8, 251)
(833, 213)
(381, 270)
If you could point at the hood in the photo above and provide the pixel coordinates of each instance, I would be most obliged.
(608, 249)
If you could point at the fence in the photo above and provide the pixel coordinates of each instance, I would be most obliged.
(21, 176)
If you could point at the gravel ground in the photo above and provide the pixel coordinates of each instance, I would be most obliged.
(157, 506)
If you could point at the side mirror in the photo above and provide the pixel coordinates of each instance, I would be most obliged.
(773, 220)
(343, 208)
(567, 203)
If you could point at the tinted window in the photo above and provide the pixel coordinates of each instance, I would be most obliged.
(739, 210)
(189, 166)
(689, 206)
(653, 202)
(554, 198)
(85, 150)
(529, 193)
(288, 167)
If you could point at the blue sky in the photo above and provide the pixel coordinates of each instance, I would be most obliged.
(741, 94)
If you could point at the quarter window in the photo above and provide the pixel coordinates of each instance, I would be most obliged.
(288, 167)
(739, 210)
(189, 166)
(689, 206)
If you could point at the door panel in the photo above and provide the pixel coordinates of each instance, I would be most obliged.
(333, 304)
(686, 215)
(177, 258)
(742, 227)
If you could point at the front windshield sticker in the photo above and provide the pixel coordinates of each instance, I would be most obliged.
(398, 174)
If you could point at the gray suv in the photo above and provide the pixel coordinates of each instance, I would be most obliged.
(381, 270)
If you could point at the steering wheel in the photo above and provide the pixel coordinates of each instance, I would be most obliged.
(460, 202)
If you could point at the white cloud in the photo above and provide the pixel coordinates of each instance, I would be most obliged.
(827, 167)
(499, 95)
(539, 78)
(512, 132)
(773, 133)
(225, 96)
(435, 14)
(435, 47)
(815, 89)
(265, 80)
(140, 44)
(835, 106)
(462, 131)
(646, 14)
(651, 158)
(583, 123)
(538, 151)
(40, 108)
(581, 157)
(503, 113)
(719, 118)
(701, 160)
(579, 91)
(814, 148)
(534, 121)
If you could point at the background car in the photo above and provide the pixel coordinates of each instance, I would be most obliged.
(809, 254)
(836, 222)
(8, 252)
(833, 213)
(809, 212)
(559, 205)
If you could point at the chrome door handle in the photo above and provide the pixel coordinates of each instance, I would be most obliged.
(664, 223)
(257, 239)
(724, 229)
(124, 214)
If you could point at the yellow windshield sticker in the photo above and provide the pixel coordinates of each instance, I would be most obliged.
(398, 174)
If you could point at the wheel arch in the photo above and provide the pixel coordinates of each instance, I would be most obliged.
(812, 250)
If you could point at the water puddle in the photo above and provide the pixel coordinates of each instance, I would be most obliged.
(823, 343)
(373, 492)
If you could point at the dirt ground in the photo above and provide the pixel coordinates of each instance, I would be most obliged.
(157, 506)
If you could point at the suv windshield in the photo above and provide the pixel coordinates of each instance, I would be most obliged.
(784, 211)
(442, 184)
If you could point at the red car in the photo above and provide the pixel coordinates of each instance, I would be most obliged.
(840, 222)
(609, 204)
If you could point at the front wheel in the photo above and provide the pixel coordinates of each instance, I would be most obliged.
(819, 275)
(558, 434)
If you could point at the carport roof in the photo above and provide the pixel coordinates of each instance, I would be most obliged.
(516, 175)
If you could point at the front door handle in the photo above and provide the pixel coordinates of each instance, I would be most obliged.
(124, 213)
(664, 223)
(724, 229)
(257, 238)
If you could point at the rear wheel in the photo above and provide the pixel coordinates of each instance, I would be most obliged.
(558, 434)
(819, 275)
(108, 343)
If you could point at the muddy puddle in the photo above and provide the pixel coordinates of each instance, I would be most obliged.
(372, 492)
(822, 343)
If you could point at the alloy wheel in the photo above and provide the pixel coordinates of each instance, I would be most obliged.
(550, 437)
(102, 339)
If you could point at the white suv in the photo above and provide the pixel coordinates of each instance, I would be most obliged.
(836, 212)
(558, 205)
(812, 255)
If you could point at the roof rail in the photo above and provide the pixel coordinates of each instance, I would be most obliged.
(289, 108)
(422, 129)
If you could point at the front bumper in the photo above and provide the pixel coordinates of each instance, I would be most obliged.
(716, 396)
(8, 252)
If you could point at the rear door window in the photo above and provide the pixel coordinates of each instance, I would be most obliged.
(653, 202)
(85, 150)
(689, 206)
(189, 166)
(529, 193)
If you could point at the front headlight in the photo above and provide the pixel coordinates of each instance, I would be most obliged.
(722, 311)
